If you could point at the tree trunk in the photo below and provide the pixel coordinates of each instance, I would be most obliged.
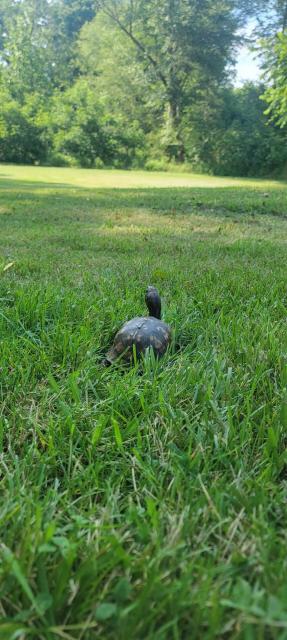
(176, 150)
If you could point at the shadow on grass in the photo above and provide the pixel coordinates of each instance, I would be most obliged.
(216, 201)
(14, 185)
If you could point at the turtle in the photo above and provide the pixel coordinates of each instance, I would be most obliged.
(141, 333)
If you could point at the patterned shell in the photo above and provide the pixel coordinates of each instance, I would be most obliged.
(143, 333)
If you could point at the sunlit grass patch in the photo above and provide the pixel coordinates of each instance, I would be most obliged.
(59, 177)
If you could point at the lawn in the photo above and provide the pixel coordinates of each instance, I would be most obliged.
(147, 502)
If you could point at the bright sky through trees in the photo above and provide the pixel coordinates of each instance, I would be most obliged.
(247, 67)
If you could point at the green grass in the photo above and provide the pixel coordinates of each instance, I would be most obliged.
(95, 179)
(150, 502)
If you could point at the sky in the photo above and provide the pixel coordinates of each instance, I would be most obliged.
(247, 67)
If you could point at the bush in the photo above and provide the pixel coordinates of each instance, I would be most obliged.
(157, 165)
(21, 140)
(234, 138)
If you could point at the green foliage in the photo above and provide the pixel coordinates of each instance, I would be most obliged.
(167, 38)
(22, 138)
(276, 93)
(271, 29)
(84, 130)
(129, 84)
(231, 135)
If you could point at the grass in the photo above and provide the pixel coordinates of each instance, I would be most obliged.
(147, 502)
(98, 179)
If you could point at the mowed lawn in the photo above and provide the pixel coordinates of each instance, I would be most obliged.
(147, 502)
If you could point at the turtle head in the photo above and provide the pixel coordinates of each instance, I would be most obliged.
(106, 362)
(153, 302)
(109, 358)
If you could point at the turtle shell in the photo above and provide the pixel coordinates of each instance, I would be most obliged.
(143, 333)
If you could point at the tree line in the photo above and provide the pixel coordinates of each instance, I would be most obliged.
(142, 83)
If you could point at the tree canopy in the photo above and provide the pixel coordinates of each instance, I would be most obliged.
(140, 83)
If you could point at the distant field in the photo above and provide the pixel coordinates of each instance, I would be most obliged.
(150, 502)
(94, 179)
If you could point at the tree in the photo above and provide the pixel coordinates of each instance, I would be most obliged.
(270, 16)
(37, 59)
(123, 82)
(22, 138)
(124, 92)
(276, 93)
(271, 33)
(245, 143)
(183, 44)
(37, 43)
(85, 130)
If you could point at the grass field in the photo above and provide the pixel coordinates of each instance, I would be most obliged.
(149, 502)
(87, 179)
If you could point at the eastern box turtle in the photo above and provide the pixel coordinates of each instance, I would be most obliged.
(142, 333)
